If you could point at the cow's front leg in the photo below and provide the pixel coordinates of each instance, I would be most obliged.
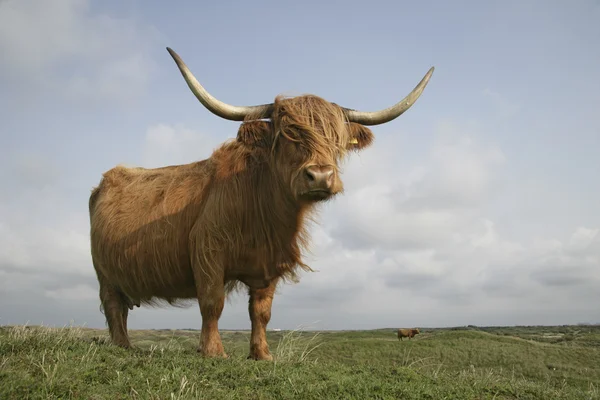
(211, 297)
(260, 314)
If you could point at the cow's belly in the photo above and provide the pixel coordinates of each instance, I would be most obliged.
(145, 264)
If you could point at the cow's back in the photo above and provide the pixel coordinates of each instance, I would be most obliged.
(140, 222)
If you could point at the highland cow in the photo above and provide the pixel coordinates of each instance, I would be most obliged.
(237, 219)
(409, 333)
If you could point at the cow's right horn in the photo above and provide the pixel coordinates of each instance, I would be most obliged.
(217, 107)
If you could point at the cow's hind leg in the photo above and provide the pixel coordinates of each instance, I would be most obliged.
(114, 304)
(259, 308)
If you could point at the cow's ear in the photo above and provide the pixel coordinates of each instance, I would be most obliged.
(360, 136)
(255, 133)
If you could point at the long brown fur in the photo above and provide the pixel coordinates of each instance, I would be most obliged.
(409, 333)
(173, 233)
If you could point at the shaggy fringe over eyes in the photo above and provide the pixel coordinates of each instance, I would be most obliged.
(314, 123)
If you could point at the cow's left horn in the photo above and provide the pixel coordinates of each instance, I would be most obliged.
(383, 116)
(223, 110)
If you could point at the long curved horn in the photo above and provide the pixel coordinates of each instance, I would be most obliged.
(217, 107)
(390, 113)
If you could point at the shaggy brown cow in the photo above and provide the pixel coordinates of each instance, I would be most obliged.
(201, 230)
(409, 333)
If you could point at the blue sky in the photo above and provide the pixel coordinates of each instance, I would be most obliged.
(477, 206)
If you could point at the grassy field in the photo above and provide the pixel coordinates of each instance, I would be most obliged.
(467, 363)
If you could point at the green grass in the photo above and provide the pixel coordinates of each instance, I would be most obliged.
(468, 363)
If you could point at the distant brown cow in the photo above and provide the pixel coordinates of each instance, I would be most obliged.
(409, 333)
(204, 229)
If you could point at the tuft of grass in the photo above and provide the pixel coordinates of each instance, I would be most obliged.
(296, 347)
(459, 363)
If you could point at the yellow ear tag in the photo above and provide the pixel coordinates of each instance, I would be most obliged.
(354, 141)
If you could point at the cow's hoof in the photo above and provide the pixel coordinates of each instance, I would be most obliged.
(123, 344)
(260, 357)
(213, 354)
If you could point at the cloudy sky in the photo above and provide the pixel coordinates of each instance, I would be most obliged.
(478, 206)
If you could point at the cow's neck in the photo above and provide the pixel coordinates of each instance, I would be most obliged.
(256, 216)
(280, 221)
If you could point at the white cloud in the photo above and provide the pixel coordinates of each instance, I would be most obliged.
(475, 277)
(461, 169)
(76, 293)
(59, 45)
(582, 239)
(46, 245)
(424, 232)
(428, 204)
(167, 144)
(38, 232)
